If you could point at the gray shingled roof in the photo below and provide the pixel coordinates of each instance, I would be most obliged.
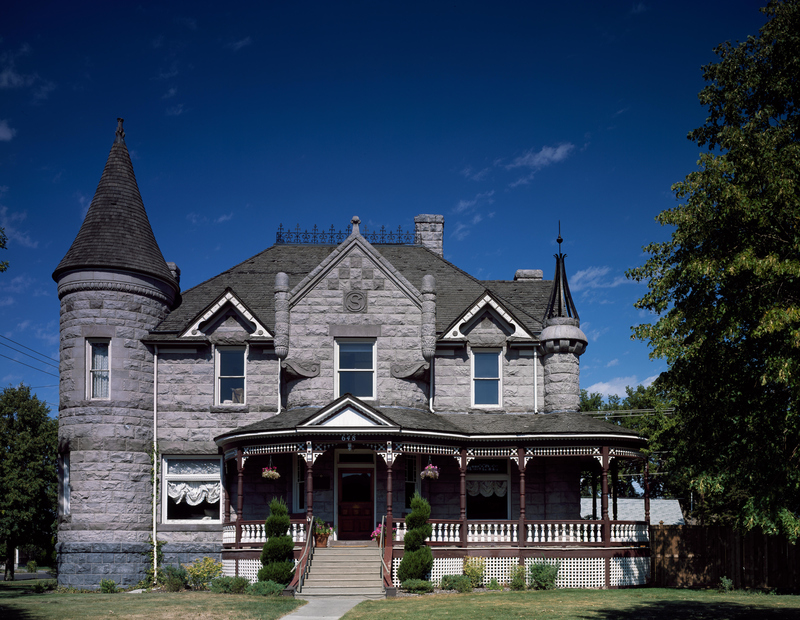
(632, 509)
(564, 423)
(116, 232)
(253, 282)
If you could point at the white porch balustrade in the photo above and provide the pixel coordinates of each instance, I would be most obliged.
(253, 533)
(629, 532)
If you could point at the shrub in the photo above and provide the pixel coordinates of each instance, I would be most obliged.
(725, 584)
(277, 556)
(543, 575)
(516, 578)
(175, 578)
(264, 588)
(417, 560)
(32, 566)
(417, 585)
(45, 585)
(108, 586)
(229, 585)
(202, 571)
(473, 568)
(460, 583)
(493, 585)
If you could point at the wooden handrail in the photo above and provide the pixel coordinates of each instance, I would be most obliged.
(308, 551)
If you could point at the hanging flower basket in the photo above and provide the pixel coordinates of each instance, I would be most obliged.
(431, 472)
(270, 473)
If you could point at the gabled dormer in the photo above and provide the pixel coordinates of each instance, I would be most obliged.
(486, 321)
(226, 317)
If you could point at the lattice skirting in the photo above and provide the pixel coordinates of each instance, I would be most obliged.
(573, 572)
(630, 571)
(247, 568)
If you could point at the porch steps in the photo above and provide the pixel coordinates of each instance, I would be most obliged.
(344, 571)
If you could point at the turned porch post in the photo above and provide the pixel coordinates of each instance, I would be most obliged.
(227, 508)
(309, 492)
(594, 494)
(614, 485)
(462, 473)
(647, 491)
(522, 538)
(239, 494)
(604, 508)
(389, 500)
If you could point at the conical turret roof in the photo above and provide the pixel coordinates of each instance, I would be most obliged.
(116, 232)
(561, 305)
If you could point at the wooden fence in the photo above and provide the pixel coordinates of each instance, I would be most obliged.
(698, 556)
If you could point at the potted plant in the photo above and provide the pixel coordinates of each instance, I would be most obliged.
(376, 533)
(321, 532)
(270, 473)
(431, 472)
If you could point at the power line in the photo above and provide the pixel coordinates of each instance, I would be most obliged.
(28, 355)
(629, 413)
(29, 366)
(29, 349)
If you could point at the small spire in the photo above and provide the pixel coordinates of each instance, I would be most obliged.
(355, 222)
(561, 305)
(120, 135)
(559, 240)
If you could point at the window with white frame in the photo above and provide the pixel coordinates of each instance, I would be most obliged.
(486, 378)
(63, 484)
(98, 363)
(299, 485)
(355, 367)
(192, 489)
(231, 377)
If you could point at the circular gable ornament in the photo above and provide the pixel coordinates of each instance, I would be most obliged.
(355, 301)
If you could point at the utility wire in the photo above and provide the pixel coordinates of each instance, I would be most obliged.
(29, 349)
(29, 366)
(29, 355)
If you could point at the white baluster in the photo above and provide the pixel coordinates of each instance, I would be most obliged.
(528, 533)
(456, 532)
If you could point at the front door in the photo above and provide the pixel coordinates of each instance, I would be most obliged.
(355, 504)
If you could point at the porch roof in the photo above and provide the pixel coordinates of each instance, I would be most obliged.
(407, 421)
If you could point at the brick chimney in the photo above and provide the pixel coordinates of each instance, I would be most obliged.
(429, 230)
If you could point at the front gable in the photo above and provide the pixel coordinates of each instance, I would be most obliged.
(348, 412)
(225, 315)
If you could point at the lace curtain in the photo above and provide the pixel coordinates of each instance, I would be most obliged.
(194, 493)
(487, 488)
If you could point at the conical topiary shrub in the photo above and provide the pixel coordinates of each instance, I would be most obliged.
(277, 557)
(417, 559)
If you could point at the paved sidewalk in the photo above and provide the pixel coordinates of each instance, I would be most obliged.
(325, 607)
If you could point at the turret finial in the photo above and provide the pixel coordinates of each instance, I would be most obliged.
(355, 222)
(120, 135)
(559, 240)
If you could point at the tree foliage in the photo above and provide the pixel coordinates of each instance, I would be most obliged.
(3, 239)
(28, 472)
(277, 555)
(726, 286)
(417, 557)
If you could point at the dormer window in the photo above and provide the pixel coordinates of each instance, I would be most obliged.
(230, 386)
(486, 378)
(355, 367)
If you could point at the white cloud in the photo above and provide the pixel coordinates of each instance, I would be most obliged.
(170, 93)
(237, 45)
(224, 218)
(616, 386)
(8, 221)
(611, 363)
(470, 205)
(175, 110)
(544, 157)
(6, 131)
(461, 231)
(11, 78)
(595, 278)
(474, 175)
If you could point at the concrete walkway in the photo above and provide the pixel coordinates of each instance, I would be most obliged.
(325, 607)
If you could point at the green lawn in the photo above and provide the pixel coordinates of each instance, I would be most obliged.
(634, 604)
(18, 602)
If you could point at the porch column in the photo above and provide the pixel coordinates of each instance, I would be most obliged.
(239, 494)
(227, 496)
(389, 502)
(462, 472)
(604, 508)
(522, 538)
(594, 494)
(309, 491)
(614, 485)
(647, 491)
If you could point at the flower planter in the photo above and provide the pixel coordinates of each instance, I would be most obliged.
(321, 540)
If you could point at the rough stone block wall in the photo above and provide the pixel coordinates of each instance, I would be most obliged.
(177, 554)
(562, 382)
(83, 564)
(387, 306)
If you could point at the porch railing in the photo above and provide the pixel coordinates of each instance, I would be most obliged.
(448, 532)
(249, 533)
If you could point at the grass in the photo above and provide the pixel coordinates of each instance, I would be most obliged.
(633, 604)
(18, 602)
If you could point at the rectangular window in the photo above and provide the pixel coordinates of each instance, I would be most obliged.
(63, 484)
(230, 375)
(355, 368)
(486, 384)
(299, 502)
(412, 479)
(98, 378)
(192, 489)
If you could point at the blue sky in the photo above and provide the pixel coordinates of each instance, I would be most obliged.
(505, 117)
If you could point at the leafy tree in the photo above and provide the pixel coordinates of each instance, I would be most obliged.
(28, 477)
(277, 555)
(726, 287)
(3, 239)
